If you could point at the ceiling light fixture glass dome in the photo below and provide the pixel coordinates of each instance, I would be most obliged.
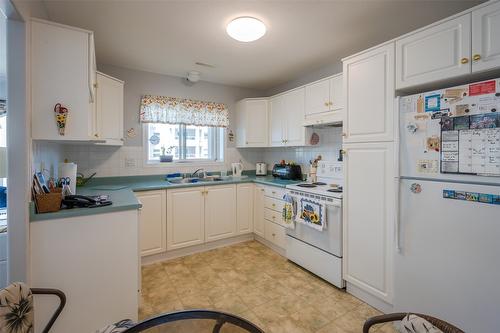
(246, 29)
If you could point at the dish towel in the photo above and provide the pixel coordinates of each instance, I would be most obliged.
(289, 211)
(312, 213)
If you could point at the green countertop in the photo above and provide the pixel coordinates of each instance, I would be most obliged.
(121, 192)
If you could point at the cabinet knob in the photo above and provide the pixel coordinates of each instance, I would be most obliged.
(344, 135)
(95, 85)
(262, 190)
(274, 205)
(246, 142)
(326, 104)
(274, 234)
(343, 152)
(464, 60)
(96, 135)
(476, 57)
(330, 103)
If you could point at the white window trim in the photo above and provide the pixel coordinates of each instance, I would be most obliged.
(157, 164)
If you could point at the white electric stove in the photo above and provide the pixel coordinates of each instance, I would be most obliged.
(320, 251)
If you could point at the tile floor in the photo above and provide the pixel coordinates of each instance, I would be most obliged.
(251, 280)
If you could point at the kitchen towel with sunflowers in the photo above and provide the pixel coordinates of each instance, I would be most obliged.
(312, 213)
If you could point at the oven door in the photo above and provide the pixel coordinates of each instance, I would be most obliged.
(328, 240)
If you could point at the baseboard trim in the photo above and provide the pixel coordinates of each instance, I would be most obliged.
(368, 298)
(173, 254)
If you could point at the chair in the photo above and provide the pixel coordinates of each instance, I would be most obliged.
(440, 324)
(16, 307)
(183, 319)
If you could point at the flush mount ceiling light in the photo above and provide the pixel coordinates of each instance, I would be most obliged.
(246, 29)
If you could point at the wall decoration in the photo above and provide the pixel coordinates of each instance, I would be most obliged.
(230, 136)
(314, 139)
(131, 133)
(154, 139)
(61, 114)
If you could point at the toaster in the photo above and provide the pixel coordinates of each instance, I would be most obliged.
(291, 172)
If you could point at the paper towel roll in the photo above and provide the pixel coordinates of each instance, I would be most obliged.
(68, 170)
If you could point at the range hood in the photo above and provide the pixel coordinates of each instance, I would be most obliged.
(327, 119)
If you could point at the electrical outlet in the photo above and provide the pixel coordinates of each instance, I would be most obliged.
(130, 162)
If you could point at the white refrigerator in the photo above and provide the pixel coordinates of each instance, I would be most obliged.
(447, 261)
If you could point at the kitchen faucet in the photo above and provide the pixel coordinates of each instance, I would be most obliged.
(197, 171)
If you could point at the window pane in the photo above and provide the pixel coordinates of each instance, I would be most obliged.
(198, 142)
(163, 135)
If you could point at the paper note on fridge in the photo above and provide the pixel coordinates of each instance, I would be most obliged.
(449, 156)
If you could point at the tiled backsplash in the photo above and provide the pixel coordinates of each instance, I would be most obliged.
(328, 147)
(130, 160)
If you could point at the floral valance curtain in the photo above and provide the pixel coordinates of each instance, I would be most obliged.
(171, 110)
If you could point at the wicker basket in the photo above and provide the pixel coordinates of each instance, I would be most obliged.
(49, 202)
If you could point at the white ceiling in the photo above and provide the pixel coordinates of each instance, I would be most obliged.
(168, 37)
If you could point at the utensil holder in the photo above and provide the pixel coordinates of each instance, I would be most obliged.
(49, 202)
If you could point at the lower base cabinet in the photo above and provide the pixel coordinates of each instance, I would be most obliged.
(258, 210)
(185, 217)
(220, 212)
(244, 208)
(274, 233)
(94, 260)
(153, 222)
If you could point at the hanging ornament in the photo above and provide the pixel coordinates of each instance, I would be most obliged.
(314, 139)
(131, 133)
(61, 114)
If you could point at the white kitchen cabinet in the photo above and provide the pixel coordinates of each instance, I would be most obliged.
(436, 53)
(220, 212)
(275, 233)
(185, 217)
(295, 132)
(252, 123)
(486, 38)
(369, 206)
(258, 210)
(109, 110)
(277, 124)
(317, 97)
(244, 208)
(63, 70)
(286, 114)
(324, 101)
(369, 95)
(3, 260)
(94, 260)
(153, 222)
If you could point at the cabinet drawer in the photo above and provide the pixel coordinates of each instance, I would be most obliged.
(272, 215)
(3, 246)
(275, 234)
(274, 192)
(274, 204)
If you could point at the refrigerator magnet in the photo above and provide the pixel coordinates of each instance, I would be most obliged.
(432, 103)
(449, 194)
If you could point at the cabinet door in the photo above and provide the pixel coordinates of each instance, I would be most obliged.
(258, 210)
(244, 208)
(109, 98)
(369, 205)
(317, 97)
(153, 222)
(60, 73)
(486, 38)
(220, 212)
(252, 123)
(294, 116)
(185, 217)
(336, 93)
(369, 96)
(277, 121)
(437, 53)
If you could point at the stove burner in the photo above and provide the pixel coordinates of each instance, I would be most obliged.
(319, 183)
(306, 185)
(335, 190)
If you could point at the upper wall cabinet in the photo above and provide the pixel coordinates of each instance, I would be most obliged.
(439, 52)
(63, 70)
(369, 95)
(286, 117)
(486, 38)
(109, 110)
(252, 123)
(324, 101)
